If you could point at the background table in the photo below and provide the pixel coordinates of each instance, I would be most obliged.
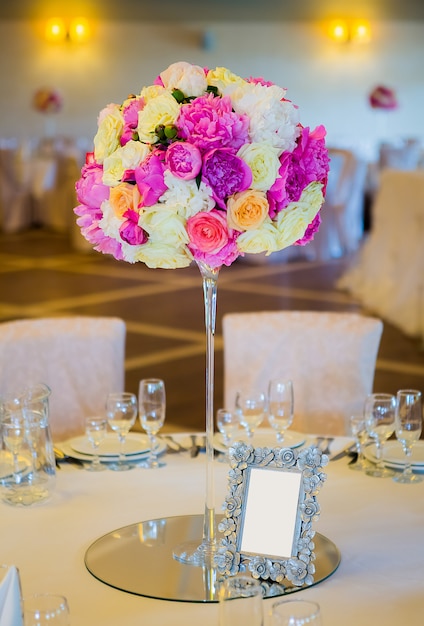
(378, 526)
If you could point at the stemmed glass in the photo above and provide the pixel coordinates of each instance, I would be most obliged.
(121, 411)
(240, 602)
(359, 432)
(295, 613)
(152, 404)
(251, 410)
(379, 414)
(280, 406)
(95, 429)
(228, 424)
(408, 420)
(46, 609)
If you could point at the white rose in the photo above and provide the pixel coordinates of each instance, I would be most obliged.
(161, 110)
(293, 221)
(151, 91)
(263, 239)
(106, 140)
(184, 196)
(272, 119)
(127, 157)
(164, 225)
(263, 161)
(163, 256)
(224, 80)
(190, 79)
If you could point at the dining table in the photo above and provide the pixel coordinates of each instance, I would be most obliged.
(376, 524)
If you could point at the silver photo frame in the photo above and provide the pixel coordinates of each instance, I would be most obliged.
(269, 511)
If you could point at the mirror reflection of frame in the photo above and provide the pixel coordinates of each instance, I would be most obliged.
(269, 510)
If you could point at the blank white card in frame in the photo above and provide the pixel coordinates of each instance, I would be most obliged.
(271, 512)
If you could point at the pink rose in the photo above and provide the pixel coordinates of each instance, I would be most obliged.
(208, 231)
(184, 160)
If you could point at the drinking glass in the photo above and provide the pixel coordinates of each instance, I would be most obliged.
(280, 406)
(408, 419)
(359, 432)
(379, 414)
(240, 602)
(251, 410)
(121, 411)
(46, 609)
(295, 613)
(95, 429)
(228, 425)
(13, 430)
(152, 404)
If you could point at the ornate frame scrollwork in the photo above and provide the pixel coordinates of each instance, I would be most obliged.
(298, 567)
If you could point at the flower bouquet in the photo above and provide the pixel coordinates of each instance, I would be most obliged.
(47, 100)
(382, 97)
(202, 166)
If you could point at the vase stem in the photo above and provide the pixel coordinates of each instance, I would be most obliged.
(191, 552)
(210, 282)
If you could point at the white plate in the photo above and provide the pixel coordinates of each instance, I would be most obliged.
(264, 437)
(110, 446)
(394, 456)
(88, 458)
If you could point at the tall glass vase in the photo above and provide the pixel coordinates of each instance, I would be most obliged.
(202, 552)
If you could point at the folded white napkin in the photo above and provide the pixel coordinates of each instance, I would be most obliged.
(10, 599)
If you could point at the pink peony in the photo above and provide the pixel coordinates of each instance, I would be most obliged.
(130, 231)
(149, 179)
(130, 114)
(183, 160)
(90, 188)
(226, 174)
(88, 221)
(209, 122)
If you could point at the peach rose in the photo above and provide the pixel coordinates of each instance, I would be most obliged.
(247, 210)
(124, 197)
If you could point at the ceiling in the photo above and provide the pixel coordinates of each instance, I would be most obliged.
(215, 10)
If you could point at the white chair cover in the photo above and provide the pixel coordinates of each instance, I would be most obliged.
(342, 215)
(330, 358)
(388, 275)
(81, 359)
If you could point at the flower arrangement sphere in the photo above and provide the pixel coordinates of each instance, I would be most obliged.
(47, 100)
(202, 166)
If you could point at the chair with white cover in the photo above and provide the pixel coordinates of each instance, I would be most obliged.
(81, 359)
(329, 356)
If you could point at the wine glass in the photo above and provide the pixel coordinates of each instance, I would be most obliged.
(95, 429)
(121, 411)
(251, 410)
(379, 414)
(408, 421)
(295, 613)
(280, 406)
(228, 425)
(240, 602)
(46, 609)
(359, 432)
(152, 404)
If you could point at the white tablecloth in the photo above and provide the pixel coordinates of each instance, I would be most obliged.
(377, 524)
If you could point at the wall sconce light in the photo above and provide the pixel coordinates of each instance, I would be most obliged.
(357, 31)
(76, 31)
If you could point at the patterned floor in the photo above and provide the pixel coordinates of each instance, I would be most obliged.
(41, 275)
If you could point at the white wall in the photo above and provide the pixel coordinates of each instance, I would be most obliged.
(328, 81)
